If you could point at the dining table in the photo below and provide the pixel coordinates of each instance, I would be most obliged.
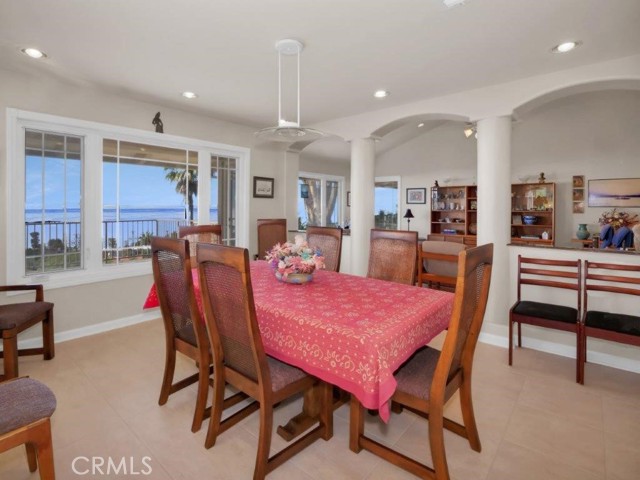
(347, 330)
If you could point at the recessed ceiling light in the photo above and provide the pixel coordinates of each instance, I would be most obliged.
(381, 93)
(34, 53)
(420, 125)
(453, 3)
(189, 95)
(566, 47)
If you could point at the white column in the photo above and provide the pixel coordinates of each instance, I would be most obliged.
(494, 208)
(363, 156)
(291, 170)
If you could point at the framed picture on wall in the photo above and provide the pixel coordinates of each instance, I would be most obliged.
(614, 192)
(416, 195)
(262, 187)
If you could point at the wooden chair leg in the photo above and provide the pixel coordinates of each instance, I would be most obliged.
(169, 369)
(44, 448)
(356, 424)
(32, 458)
(578, 354)
(436, 441)
(10, 353)
(510, 342)
(468, 415)
(519, 334)
(264, 441)
(216, 409)
(203, 391)
(47, 337)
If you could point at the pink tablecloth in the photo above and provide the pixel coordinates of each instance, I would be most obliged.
(350, 331)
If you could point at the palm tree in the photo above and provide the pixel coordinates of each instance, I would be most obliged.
(186, 185)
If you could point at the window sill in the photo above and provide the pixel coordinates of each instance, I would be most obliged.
(52, 281)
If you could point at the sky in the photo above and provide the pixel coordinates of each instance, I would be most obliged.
(140, 186)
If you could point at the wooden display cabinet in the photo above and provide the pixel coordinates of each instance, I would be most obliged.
(454, 213)
(537, 201)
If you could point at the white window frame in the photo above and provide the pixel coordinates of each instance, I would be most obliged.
(93, 134)
(323, 186)
(398, 200)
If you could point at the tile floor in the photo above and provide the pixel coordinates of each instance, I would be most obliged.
(535, 422)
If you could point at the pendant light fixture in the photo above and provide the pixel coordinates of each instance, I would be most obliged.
(289, 131)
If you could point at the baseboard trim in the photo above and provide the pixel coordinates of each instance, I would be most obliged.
(600, 358)
(89, 330)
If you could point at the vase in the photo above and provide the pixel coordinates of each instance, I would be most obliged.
(295, 278)
(582, 233)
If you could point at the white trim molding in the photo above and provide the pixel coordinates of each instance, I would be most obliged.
(93, 133)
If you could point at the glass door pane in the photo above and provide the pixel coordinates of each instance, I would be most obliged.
(223, 196)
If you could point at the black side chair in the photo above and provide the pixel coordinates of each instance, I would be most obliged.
(618, 281)
(552, 274)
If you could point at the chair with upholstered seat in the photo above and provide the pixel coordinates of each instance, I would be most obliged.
(550, 275)
(26, 406)
(200, 234)
(431, 377)
(438, 264)
(184, 329)
(271, 231)
(617, 282)
(16, 318)
(329, 241)
(240, 359)
(393, 255)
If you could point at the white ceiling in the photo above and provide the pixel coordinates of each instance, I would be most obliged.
(224, 49)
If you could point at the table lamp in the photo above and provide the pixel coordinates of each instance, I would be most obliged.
(408, 215)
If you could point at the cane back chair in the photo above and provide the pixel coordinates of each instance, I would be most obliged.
(431, 377)
(185, 331)
(270, 232)
(200, 234)
(329, 241)
(240, 359)
(393, 255)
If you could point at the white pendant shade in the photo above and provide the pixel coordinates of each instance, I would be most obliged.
(289, 131)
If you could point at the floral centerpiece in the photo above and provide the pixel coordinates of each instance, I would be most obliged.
(617, 219)
(295, 262)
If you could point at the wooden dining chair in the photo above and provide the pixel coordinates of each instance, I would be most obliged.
(184, 328)
(617, 282)
(329, 241)
(240, 359)
(550, 275)
(270, 232)
(393, 256)
(430, 377)
(438, 264)
(16, 318)
(25, 413)
(200, 234)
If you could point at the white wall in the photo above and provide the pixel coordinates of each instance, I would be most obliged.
(100, 302)
(591, 134)
(439, 154)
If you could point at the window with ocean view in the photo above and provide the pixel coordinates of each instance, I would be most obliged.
(386, 203)
(147, 191)
(53, 212)
(87, 197)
